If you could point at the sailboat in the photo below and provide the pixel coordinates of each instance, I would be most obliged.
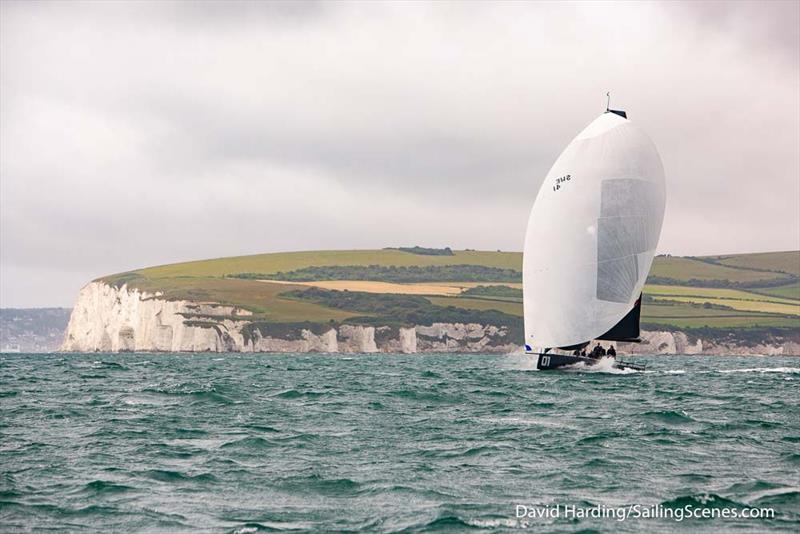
(590, 241)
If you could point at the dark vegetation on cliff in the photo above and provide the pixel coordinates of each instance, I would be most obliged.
(424, 251)
(495, 291)
(392, 273)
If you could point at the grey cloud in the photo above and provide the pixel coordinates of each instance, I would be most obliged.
(760, 23)
(134, 134)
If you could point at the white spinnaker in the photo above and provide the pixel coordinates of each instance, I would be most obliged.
(592, 234)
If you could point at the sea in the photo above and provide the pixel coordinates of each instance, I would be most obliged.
(396, 443)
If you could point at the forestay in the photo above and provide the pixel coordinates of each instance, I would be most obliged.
(592, 234)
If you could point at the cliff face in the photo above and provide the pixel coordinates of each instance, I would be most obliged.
(662, 342)
(106, 318)
(110, 319)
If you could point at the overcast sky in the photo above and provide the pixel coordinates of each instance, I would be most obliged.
(147, 133)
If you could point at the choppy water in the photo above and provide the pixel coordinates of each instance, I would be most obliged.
(389, 442)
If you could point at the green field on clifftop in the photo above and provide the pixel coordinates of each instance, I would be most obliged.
(730, 291)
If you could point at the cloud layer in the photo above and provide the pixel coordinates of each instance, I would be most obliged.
(146, 133)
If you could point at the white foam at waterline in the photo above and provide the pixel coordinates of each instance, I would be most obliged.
(521, 361)
(772, 493)
(528, 421)
(495, 523)
(603, 365)
(791, 370)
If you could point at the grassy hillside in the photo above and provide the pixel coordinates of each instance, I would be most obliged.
(688, 269)
(724, 292)
(787, 262)
(291, 261)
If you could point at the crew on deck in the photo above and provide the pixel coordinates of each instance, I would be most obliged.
(597, 352)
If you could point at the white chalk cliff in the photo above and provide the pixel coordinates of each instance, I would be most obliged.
(110, 319)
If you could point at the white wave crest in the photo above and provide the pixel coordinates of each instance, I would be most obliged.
(790, 370)
(603, 365)
(521, 361)
(495, 523)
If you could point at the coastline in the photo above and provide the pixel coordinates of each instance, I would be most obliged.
(121, 319)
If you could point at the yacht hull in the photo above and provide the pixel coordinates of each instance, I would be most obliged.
(550, 362)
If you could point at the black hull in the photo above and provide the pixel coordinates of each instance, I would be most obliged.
(549, 362)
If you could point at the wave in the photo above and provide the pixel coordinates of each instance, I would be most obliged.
(793, 457)
(450, 521)
(210, 394)
(427, 396)
(317, 484)
(298, 439)
(295, 394)
(163, 475)
(599, 437)
(777, 497)
(263, 428)
(669, 416)
(414, 492)
(495, 523)
(603, 366)
(250, 528)
(447, 522)
(104, 486)
(190, 431)
(251, 442)
(695, 477)
(787, 370)
(703, 500)
(109, 365)
(54, 509)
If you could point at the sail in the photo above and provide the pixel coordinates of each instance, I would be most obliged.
(592, 234)
(627, 329)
